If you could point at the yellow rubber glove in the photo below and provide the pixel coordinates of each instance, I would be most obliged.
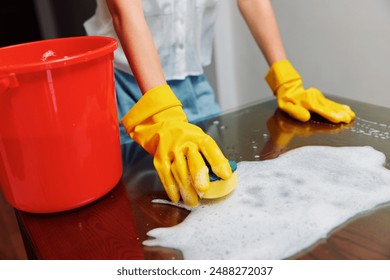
(292, 98)
(158, 123)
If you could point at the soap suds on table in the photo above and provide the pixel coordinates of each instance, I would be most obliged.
(282, 206)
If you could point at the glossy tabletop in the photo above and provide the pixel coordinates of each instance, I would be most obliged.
(115, 226)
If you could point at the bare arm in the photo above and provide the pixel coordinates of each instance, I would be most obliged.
(137, 42)
(261, 21)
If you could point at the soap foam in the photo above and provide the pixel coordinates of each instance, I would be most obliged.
(282, 206)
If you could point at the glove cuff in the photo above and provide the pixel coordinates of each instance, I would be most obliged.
(151, 103)
(279, 73)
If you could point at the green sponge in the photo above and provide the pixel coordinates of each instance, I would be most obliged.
(218, 187)
(213, 177)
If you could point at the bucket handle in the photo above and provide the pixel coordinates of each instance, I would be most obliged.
(9, 81)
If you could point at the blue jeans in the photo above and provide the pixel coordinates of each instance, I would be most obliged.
(194, 92)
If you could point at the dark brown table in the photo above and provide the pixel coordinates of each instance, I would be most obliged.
(115, 226)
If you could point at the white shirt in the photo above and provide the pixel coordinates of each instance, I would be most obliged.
(182, 31)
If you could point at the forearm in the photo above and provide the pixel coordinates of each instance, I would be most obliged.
(261, 21)
(137, 42)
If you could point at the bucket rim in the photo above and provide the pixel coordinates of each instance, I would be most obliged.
(61, 62)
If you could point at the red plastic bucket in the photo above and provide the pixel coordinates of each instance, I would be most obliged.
(59, 133)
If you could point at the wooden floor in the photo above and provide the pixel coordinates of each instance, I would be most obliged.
(11, 244)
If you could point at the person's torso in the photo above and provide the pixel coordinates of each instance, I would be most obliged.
(182, 31)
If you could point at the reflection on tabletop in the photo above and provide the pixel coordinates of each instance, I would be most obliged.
(283, 129)
(143, 186)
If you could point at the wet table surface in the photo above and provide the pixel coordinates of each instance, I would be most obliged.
(115, 226)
